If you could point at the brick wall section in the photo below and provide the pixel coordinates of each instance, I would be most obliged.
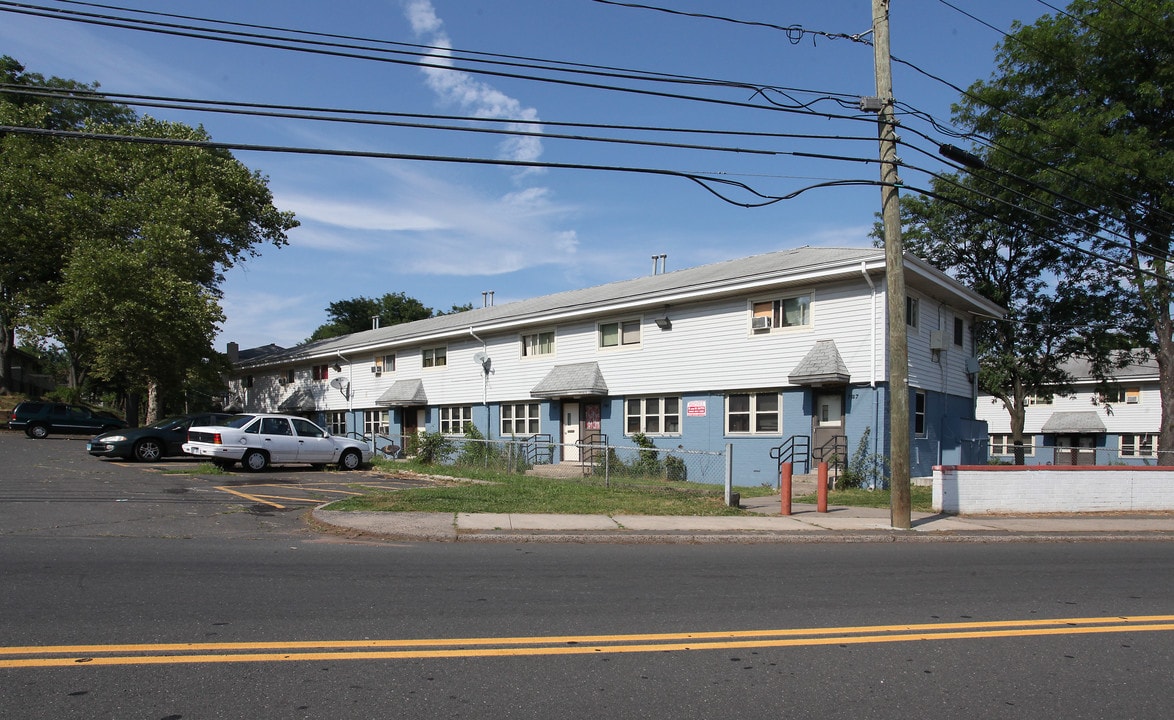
(986, 489)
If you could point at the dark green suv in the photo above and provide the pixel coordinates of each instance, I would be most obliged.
(39, 419)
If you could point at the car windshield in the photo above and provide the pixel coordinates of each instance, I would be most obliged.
(167, 423)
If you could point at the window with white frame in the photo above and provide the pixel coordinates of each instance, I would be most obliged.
(383, 363)
(624, 333)
(1001, 444)
(919, 405)
(652, 415)
(541, 343)
(375, 423)
(753, 414)
(912, 311)
(520, 419)
(336, 422)
(454, 417)
(959, 332)
(1118, 394)
(788, 312)
(435, 357)
(1139, 445)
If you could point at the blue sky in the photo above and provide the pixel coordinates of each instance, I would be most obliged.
(446, 232)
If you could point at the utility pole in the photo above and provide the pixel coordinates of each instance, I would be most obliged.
(898, 345)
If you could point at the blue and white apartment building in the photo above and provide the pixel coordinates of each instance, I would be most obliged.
(749, 352)
(1090, 423)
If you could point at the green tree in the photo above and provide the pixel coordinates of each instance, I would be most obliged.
(356, 315)
(1081, 105)
(34, 192)
(968, 228)
(140, 235)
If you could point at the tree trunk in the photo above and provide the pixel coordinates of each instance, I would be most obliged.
(152, 402)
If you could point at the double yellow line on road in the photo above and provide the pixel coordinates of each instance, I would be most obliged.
(319, 650)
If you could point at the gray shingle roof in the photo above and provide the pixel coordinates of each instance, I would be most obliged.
(1074, 422)
(821, 365)
(404, 393)
(574, 380)
(649, 291)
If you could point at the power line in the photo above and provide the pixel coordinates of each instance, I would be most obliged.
(383, 118)
(705, 181)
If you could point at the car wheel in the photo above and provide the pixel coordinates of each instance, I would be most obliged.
(350, 460)
(148, 450)
(38, 431)
(255, 461)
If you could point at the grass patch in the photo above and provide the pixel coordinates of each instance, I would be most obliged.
(920, 498)
(485, 491)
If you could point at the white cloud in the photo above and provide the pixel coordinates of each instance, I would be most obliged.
(454, 87)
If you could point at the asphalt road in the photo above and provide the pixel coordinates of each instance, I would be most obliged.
(130, 593)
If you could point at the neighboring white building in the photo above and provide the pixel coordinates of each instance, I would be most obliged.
(749, 352)
(1086, 427)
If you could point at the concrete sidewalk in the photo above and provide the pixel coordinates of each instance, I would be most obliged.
(839, 524)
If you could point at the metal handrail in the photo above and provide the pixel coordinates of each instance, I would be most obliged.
(836, 447)
(796, 449)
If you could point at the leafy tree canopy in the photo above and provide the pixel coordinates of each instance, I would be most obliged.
(357, 314)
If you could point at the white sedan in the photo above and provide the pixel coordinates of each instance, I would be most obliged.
(257, 441)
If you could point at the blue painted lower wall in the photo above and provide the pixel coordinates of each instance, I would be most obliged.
(945, 434)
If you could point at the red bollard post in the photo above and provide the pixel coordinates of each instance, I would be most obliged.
(821, 489)
(785, 487)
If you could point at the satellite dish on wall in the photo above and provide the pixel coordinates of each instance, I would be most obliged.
(484, 361)
(342, 385)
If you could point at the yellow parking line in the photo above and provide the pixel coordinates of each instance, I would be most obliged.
(250, 498)
(174, 653)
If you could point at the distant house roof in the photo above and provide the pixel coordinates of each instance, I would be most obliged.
(258, 352)
(1074, 422)
(574, 380)
(821, 366)
(800, 265)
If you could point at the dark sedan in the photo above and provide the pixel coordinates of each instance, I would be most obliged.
(146, 444)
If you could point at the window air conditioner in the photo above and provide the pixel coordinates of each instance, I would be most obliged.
(282, 381)
(760, 323)
(376, 369)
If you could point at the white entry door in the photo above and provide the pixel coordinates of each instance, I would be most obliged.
(571, 432)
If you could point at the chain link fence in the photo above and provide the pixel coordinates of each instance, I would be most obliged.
(599, 463)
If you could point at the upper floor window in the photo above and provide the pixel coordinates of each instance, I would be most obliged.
(786, 312)
(1117, 394)
(383, 363)
(753, 414)
(619, 334)
(320, 372)
(959, 331)
(435, 357)
(541, 343)
(912, 311)
(653, 415)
